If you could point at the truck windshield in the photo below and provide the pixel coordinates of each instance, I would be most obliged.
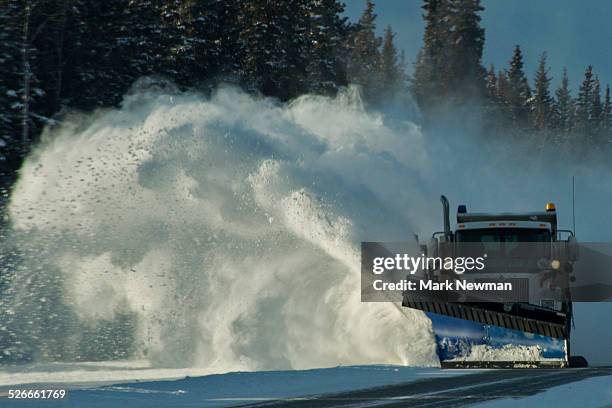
(505, 242)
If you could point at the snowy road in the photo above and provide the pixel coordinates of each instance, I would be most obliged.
(102, 385)
(456, 391)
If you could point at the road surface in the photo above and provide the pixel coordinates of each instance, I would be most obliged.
(455, 391)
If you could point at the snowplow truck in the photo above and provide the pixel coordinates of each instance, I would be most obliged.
(514, 334)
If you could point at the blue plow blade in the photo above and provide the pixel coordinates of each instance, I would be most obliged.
(468, 344)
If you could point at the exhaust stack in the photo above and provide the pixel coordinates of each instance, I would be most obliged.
(446, 216)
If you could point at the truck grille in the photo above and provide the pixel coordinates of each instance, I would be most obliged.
(519, 293)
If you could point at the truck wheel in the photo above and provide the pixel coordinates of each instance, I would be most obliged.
(578, 362)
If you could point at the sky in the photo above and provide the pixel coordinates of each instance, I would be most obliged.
(572, 34)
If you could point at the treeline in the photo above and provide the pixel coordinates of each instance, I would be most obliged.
(61, 54)
(449, 74)
(584, 119)
(56, 55)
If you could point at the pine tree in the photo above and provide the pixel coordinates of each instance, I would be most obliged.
(275, 46)
(467, 37)
(392, 72)
(606, 117)
(584, 103)
(364, 60)
(32, 48)
(491, 84)
(542, 102)
(203, 36)
(564, 105)
(115, 44)
(31, 53)
(448, 68)
(10, 91)
(296, 25)
(519, 93)
(429, 84)
(502, 92)
(327, 36)
(596, 107)
(145, 37)
(500, 116)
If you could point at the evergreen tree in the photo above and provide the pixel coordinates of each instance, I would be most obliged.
(295, 28)
(584, 103)
(606, 117)
(542, 102)
(364, 61)
(206, 45)
(275, 46)
(327, 36)
(10, 90)
(429, 85)
(145, 37)
(493, 103)
(31, 48)
(448, 68)
(392, 71)
(501, 118)
(519, 93)
(502, 88)
(114, 44)
(491, 84)
(596, 108)
(564, 105)
(466, 75)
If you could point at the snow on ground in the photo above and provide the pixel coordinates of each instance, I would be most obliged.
(508, 352)
(217, 390)
(81, 374)
(593, 392)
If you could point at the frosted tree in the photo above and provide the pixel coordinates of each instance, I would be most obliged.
(584, 103)
(542, 102)
(596, 106)
(28, 66)
(10, 73)
(275, 46)
(491, 83)
(364, 61)
(203, 39)
(502, 87)
(327, 36)
(564, 105)
(111, 47)
(10, 94)
(518, 94)
(466, 74)
(606, 117)
(429, 80)
(392, 71)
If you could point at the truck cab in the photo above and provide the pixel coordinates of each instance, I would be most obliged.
(527, 249)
